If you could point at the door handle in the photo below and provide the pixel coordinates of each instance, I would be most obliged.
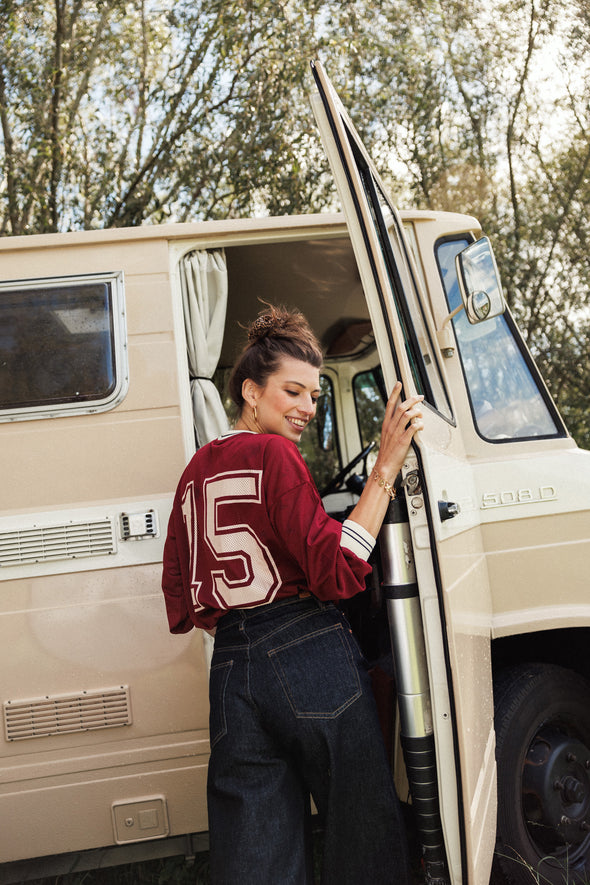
(447, 510)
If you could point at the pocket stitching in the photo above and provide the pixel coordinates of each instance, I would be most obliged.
(222, 730)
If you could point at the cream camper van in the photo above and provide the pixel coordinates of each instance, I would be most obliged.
(114, 346)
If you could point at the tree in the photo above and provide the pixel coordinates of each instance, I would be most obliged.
(121, 112)
(115, 113)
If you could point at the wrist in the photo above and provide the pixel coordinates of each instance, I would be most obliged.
(384, 483)
(387, 470)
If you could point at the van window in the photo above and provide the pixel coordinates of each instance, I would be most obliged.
(62, 346)
(318, 445)
(507, 399)
(369, 400)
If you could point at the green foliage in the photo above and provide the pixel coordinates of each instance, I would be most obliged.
(121, 113)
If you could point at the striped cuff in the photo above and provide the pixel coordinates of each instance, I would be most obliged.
(357, 539)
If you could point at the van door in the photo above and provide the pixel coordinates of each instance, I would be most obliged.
(450, 564)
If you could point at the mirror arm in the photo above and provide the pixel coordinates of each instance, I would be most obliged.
(446, 340)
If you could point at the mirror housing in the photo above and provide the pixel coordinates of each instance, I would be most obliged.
(479, 282)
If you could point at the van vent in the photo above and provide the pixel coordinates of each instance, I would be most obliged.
(73, 540)
(64, 714)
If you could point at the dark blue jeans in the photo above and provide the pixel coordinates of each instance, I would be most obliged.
(292, 714)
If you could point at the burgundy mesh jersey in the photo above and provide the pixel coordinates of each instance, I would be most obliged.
(248, 527)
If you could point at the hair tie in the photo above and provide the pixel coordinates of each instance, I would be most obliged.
(261, 327)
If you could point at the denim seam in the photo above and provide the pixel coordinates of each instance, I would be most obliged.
(259, 609)
(284, 625)
(247, 649)
(227, 665)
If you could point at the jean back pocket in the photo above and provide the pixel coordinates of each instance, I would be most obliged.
(318, 673)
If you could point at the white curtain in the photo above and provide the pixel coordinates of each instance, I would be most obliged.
(203, 278)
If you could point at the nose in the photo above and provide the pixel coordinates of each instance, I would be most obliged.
(308, 407)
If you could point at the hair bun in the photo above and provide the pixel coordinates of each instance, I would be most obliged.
(266, 325)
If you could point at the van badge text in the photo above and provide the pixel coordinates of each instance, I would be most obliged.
(510, 497)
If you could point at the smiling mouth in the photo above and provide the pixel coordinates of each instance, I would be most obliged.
(299, 423)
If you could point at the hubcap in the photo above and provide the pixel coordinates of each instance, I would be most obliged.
(556, 790)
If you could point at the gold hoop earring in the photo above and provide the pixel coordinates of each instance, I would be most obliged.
(255, 411)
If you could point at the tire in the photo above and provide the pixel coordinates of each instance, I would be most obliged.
(542, 720)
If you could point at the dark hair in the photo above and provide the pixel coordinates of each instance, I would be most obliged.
(276, 333)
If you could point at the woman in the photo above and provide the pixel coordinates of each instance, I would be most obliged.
(252, 556)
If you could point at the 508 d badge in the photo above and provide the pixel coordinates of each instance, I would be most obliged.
(510, 497)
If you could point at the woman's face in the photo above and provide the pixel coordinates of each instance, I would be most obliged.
(288, 402)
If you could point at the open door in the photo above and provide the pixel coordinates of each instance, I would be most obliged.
(450, 564)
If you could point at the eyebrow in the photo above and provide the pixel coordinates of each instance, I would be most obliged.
(302, 386)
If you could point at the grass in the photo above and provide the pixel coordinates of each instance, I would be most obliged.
(166, 871)
(179, 871)
(558, 871)
(169, 871)
(172, 871)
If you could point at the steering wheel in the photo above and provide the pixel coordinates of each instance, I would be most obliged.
(337, 481)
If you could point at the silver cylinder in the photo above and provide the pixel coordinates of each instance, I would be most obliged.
(400, 590)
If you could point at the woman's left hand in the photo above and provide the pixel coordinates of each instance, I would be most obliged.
(402, 420)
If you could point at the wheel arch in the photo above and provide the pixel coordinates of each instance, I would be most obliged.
(566, 647)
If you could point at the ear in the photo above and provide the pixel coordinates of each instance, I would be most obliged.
(249, 391)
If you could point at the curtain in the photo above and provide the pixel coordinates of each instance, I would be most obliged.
(203, 279)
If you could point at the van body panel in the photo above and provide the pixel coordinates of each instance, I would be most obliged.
(536, 525)
(76, 637)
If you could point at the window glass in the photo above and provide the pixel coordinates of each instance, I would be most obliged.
(58, 345)
(369, 400)
(419, 346)
(506, 401)
(319, 446)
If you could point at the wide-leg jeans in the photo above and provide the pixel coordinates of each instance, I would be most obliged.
(293, 714)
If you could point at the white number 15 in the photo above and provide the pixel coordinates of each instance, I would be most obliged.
(247, 574)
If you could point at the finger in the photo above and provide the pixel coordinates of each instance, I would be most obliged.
(393, 400)
(408, 409)
(400, 431)
(415, 424)
(398, 415)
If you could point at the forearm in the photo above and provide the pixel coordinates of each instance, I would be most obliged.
(370, 510)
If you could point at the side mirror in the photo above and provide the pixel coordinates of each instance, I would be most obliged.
(479, 282)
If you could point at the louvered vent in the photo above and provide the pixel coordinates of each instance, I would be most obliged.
(64, 714)
(74, 540)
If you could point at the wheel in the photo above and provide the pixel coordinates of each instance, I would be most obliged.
(542, 719)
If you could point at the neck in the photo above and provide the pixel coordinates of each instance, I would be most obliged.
(247, 422)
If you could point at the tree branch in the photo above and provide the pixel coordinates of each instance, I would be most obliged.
(13, 213)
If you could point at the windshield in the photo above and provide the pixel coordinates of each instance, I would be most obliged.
(506, 400)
